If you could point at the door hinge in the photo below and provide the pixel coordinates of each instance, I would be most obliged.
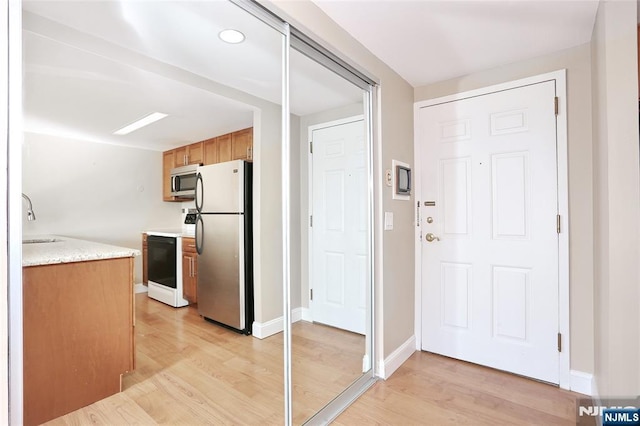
(311, 221)
(559, 342)
(555, 105)
(418, 213)
(558, 223)
(311, 294)
(311, 147)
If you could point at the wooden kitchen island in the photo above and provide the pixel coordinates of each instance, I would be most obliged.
(78, 314)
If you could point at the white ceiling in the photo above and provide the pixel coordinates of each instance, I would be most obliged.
(427, 41)
(92, 67)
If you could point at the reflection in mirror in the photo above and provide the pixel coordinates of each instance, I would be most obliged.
(330, 290)
(94, 67)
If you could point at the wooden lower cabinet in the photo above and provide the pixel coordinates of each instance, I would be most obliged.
(78, 330)
(189, 270)
(145, 259)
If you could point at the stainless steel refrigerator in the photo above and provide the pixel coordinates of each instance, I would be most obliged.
(223, 241)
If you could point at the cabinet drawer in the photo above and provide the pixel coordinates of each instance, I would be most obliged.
(188, 245)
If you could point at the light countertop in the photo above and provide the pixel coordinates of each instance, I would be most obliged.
(67, 250)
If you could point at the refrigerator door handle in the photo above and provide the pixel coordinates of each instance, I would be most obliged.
(199, 193)
(199, 233)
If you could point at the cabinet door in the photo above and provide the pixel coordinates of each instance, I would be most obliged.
(168, 162)
(224, 148)
(195, 154)
(210, 148)
(145, 264)
(242, 144)
(189, 270)
(180, 156)
(187, 277)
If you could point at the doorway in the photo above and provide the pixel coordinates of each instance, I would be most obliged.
(338, 224)
(492, 251)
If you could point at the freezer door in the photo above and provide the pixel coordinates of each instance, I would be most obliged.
(220, 188)
(221, 291)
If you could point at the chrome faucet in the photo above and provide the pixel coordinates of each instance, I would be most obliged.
(30, 214)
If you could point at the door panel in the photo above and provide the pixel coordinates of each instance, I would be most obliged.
(490, 283)
(339, 234)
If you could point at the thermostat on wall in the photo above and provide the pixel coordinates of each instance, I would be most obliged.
(402, 180)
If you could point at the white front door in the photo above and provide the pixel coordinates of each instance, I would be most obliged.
(339, 258)
(490, 275)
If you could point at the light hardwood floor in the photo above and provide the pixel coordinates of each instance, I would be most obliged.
(430, 389)
(191, 372)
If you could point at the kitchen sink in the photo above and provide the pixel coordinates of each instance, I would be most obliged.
(40, 240)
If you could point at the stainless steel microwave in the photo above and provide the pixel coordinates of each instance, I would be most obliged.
(183, 181)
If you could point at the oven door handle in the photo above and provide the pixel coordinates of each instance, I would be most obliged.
(199, 233)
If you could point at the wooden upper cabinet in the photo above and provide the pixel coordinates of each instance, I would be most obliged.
(242, 144)
(195, 154)
(210, 151)
(232, 146)
(224, 148)
(180, 156)
(188, 154)
(168, 163)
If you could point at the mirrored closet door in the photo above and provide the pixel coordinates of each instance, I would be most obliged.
(92, 67)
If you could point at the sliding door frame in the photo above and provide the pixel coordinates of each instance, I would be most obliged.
(299, 40)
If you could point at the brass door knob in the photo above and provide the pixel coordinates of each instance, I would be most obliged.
(430, 237)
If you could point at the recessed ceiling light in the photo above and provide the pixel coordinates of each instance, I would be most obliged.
(144, 121)
(231, 36)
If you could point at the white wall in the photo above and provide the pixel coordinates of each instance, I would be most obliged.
(104, 193)
(577, 62)
(616, 200)
(267, 222)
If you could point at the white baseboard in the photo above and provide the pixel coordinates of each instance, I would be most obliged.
(391, 363)
(581, 382)
(306, 315)
(296, 314)
(140, 288)
(263, 330)
(274, 326)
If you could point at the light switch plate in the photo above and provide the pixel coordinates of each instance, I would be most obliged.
(388, 221)
(388, 178)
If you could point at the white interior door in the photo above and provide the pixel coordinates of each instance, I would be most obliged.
(339, 260)
(490, 283)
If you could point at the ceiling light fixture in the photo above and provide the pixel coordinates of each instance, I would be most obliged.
(231, 36)
(144, 121)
